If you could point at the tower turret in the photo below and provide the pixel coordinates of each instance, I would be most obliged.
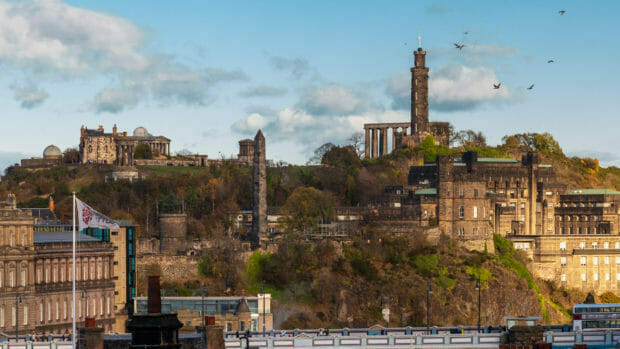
(419, 93)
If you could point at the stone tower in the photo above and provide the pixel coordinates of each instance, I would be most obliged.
(419, 94)
(259, 189)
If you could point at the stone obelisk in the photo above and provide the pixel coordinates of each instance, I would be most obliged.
(259, 191)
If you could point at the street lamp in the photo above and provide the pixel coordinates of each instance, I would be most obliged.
(429, 290)
(262, 292)
(478, 288)
(204, 327)
(18, 301)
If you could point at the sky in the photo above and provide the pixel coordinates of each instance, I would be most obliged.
(206, 74)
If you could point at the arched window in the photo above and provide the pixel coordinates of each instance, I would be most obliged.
(11, 278)
(23, 276)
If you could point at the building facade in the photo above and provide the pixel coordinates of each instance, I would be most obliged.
(232, 313)
(117, 148)
(36, 276)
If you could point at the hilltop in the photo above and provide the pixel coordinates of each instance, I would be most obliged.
(329, 283)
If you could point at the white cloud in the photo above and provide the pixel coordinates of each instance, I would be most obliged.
(453, 88)
(331, 99)
(263, 91)
(297, 67)
(112, 100)
(250, 124)
(54, 40)
(28, 94)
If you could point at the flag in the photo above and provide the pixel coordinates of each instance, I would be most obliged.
(89, 218)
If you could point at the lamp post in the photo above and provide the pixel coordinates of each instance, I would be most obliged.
(204, 327)
(429, 290)
(18, 301)
(478, 288)
(262, 292)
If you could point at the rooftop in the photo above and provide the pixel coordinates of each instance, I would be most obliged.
(593, 192)
(426, 191)
(50, 237)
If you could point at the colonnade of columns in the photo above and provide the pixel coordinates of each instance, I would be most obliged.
(161, 148)
(376, 138)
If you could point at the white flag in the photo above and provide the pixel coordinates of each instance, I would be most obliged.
(89, 218)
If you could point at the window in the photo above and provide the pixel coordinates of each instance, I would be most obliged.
(228, 326)
(523, 205)
(242, 326)
(101, 306)
(617, 260)
(11, 241)
(594, 244)
(105, 270)
(595, 260)
(461, 211)
(618, 276)
(606, 276)
(64, 309)
(583, 260)
(62, 273)
(475, 212)
(49, 311)
(41, 312)
(57, 312)
(563, 246)
(22, 238)
(79, 309)
(99, 271)
(23, 277)
(2, 316)
(606, 260)
(461, 193)
(25, 315)
(595, 276)
(563, 278)
(475, 193)
(11, 279)
(563, 261)
(107, 301)
(13, 316)
(583, 276)
(522, 218)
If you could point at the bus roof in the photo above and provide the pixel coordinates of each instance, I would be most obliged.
(598, 305)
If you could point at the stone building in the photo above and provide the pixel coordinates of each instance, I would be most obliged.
(259, 190)
(571, 236)
(51, 156)
(233, 313)
(98, 147)
(36, 272)
(173, 233)
(246, 152)
(408, 134)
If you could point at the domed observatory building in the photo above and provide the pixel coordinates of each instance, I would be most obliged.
(51, 156)
(118, 148)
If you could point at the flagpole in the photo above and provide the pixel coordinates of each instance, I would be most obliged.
(74, 333)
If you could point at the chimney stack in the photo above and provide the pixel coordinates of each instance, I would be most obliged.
(154, 301)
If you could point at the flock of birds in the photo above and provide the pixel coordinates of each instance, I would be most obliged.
(499, 84)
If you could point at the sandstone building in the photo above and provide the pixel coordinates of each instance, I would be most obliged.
(98, 147)
(571, 236)
(36, 274)
(412, 133)
(51, 156)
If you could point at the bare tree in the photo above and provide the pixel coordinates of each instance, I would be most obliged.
(357, 141)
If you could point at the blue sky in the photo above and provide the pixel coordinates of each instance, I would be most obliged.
(207, 74)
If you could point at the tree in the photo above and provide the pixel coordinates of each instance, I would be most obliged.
(357, 142)
(469, 138)
(318, 154)
(71, 156)
(305, 208)
(540, 142)
(143, 151)
(344, 157)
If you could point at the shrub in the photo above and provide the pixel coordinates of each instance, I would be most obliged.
(425, 264)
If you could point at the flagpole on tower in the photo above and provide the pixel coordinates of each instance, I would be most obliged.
(74, 333)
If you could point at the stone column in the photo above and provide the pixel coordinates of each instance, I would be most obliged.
(384, 141)
(375, 151)
(394, 130)
(367, 143)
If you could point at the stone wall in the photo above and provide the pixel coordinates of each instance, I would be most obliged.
(172, 267)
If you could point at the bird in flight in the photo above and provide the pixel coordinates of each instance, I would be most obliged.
(531, 87)
(550, 61)
(460, 47)
(561, 12)
(497, 86)
(465, 32)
